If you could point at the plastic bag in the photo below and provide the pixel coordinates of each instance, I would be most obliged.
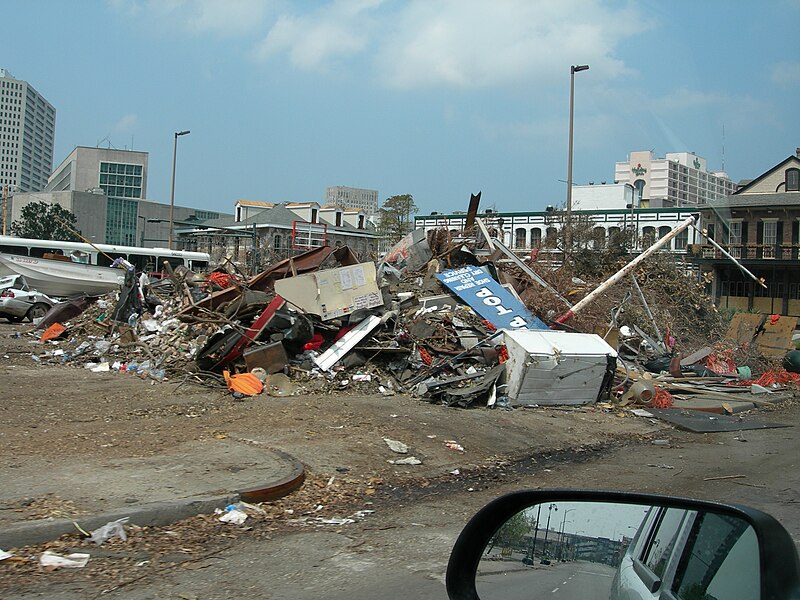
(110, 530)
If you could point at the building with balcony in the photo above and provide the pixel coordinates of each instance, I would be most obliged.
(27, 135)
(760, 226)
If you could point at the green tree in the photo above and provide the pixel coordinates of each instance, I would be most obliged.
(511, 533)
(397, 217)
(44, 221)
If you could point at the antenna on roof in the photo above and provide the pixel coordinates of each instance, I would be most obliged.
(723, 147)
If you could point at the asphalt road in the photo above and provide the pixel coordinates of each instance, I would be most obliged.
(563, 581)
(402, 549)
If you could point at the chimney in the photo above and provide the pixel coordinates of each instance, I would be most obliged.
(797, 152)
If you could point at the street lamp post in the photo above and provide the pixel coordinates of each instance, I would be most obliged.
(561, 537)
(572, 70)
(550, 510)
(172, 192)
(144, 226)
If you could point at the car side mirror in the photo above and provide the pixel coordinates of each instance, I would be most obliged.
(593, 544)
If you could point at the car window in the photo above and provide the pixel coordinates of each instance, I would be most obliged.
(657, 552)
(721, 561)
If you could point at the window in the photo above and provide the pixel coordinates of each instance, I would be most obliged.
(721, 560)
(792, 180)
(657, 552)
(648, 236)
(735, 232)
(520, 238)
(313, 215)
(536, 237)
(770, 233)
(550, 237)
(276, 242)
(663, 231)
(598, 238)
(682, 240)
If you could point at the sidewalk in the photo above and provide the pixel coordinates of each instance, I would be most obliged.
(194, 478)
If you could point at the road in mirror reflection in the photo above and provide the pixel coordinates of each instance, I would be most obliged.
(593, 550)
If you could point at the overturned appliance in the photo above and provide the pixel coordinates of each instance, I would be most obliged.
(557, 368)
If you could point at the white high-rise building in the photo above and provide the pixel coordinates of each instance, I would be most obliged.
(27, 135)
(678, 179)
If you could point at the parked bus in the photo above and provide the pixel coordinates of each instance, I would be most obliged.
(149, 260)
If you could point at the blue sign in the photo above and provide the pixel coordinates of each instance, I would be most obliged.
(489, 299)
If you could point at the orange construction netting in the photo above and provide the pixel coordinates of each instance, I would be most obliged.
(780, 376)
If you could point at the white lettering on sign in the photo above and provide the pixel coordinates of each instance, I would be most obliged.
(489, 299)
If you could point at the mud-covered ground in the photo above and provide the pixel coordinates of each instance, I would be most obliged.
(56, 417)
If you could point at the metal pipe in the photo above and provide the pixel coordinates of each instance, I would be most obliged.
(649, 313)
(725, 253)
(623, 272)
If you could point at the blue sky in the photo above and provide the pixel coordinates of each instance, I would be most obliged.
(435, 98)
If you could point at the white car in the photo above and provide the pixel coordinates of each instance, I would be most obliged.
(687, 554)
(18, 302)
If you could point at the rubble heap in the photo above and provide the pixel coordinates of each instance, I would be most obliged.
(430, 319)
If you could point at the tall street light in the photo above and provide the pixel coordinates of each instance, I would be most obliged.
(172, 193)
(572, 70)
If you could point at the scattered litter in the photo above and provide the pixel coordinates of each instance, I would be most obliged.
(4, 555)
(110, 530)
(453, 445)
(662, 466)
(51, 560)
(395, 446)
(409, 460)
(721, 477)
(231, 514)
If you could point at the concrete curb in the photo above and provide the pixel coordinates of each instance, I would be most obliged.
(27, 533)
(145, 515)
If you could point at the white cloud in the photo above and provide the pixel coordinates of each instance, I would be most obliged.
(471, 43)
(220, 17)
(126, 123)
(785, 73)
(340, 29)
(421, 43)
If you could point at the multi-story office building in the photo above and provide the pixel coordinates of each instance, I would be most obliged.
(106, 190)
(120, 174)
(678, 179)
(27, 135)
(357, 198)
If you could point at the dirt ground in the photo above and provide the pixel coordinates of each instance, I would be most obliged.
(53, 417)
(52, 412)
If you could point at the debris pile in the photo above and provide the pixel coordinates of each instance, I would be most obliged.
(457, 320)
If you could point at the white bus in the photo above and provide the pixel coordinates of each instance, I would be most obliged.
(149, 260)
